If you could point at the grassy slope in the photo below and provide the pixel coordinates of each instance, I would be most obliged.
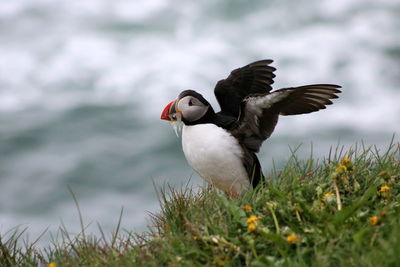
(296, 222)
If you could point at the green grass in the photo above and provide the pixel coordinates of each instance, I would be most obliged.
(208, 228)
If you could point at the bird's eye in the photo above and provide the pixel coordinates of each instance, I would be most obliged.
(190, 103)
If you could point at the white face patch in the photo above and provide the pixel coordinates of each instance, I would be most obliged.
(191, 108)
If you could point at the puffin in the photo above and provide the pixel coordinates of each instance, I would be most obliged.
(221, 146)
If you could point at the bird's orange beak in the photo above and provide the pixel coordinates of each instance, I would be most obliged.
(167, 111)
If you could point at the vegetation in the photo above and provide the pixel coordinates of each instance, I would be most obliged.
(341, 211)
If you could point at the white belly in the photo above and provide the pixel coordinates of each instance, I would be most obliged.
(216, 156)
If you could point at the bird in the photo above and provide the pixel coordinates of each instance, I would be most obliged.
(221, 146)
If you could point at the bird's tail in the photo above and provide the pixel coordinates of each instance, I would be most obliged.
(257, 174)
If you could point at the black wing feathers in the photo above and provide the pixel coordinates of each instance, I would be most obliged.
(306, 99)
(250, 111)
(259, 113)
(254, 78)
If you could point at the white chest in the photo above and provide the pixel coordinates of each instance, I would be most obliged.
(216, 156)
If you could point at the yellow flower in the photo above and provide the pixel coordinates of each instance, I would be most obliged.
(292, 238)
(52, 264)
(251, 227)
(252, 223)
(373, 221)
(383, 213)
(327, 196)
(345, 160)
(384, 189)
(252, 219)
(342, 167)
(247, 208)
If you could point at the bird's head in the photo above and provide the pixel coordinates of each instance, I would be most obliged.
(188, 108)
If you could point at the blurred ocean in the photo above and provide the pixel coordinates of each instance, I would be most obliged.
(83, 83)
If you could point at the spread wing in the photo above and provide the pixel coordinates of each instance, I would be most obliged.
(259, 112)
(254, 78)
